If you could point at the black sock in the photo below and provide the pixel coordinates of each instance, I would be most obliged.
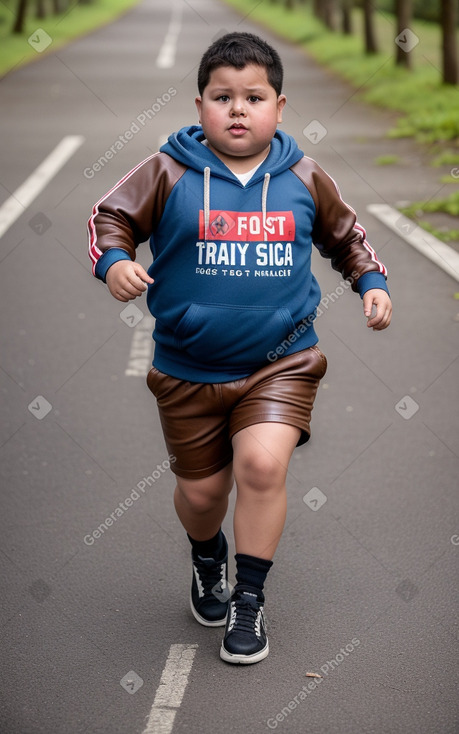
(212, 548)
(251, 574)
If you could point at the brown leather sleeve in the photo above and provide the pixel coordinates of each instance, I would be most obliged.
(130, 212)
(336, 233)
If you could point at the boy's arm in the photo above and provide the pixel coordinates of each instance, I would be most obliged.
(338, 236)
(128, 214)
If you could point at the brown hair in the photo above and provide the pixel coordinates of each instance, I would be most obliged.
(239, 50)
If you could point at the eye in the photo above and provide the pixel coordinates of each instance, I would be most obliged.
(253, 98)
(222, 98)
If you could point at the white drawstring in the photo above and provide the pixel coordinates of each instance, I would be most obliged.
(264, 198)
(206, 201)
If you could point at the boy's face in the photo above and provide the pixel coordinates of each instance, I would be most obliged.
(239, 111)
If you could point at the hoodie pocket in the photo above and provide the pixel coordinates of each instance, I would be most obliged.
(234, 335)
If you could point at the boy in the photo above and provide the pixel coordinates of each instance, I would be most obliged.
(231, 209)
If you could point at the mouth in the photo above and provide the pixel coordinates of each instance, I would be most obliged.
(237, 128)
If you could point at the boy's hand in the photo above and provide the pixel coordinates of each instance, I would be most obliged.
(126, 280)
(380, 300)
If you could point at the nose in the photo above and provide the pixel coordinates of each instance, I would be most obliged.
(238, 110)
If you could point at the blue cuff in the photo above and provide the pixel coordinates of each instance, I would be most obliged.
(367, 281)
(108, 258)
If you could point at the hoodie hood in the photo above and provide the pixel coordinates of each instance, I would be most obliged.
(186, 147)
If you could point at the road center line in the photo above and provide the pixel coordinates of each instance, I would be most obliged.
(438, 252)
(141, 351)
(166, 56)
(18, 202)
(171, 688)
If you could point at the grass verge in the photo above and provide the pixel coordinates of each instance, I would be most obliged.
(445, 212)
(44, 35)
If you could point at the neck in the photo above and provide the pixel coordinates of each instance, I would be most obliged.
(241, 164)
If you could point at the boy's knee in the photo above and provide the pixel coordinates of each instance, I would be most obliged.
(197, 499)
(260, 471)
(205, 495)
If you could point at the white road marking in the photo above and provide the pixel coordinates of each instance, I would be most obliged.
(18, 202)
(438, 252)
(166, 56)
(140, 355)
(174, 680)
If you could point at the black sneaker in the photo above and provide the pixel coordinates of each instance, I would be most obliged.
(245, 638)
(209, 590)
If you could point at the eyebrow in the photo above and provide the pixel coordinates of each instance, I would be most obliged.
(250, 90)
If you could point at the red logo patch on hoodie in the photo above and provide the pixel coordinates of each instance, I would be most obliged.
(248, 226)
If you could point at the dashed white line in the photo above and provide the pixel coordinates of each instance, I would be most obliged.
(18, 202)
(140, 354)
(166, 56)
(438, 252)
(174, 680)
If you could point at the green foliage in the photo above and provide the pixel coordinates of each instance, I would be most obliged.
(445, 235)
(448, 205)
(79, 18)
(446, 158)
(424, 9)
(387, 160)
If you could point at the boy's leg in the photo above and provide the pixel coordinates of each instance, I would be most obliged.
(261, 457)
(262, 454)
(201, 506)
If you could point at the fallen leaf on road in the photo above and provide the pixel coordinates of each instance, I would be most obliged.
(313, 675)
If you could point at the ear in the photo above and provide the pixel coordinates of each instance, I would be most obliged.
(198, 103)
(281, 101)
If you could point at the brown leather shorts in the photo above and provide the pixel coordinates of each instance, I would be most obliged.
(200, 419)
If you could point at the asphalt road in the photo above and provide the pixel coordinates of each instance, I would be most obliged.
(364, 586)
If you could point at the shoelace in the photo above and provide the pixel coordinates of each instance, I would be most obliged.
(210, 573)
(245, 616)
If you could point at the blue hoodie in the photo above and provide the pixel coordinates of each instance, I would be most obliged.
(233, 284)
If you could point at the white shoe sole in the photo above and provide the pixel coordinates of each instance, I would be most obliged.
(243, 659)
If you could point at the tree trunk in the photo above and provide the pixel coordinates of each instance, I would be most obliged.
(404, 13)
(449, 46)
(19, 21)
(346, 19)
(329, 14)
(319, 9)
(371, 47)
(41, 11)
